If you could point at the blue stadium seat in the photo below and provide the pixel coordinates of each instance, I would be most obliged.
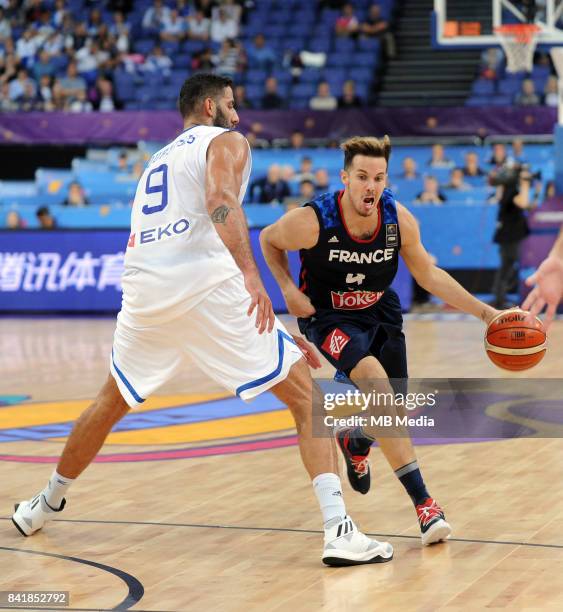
(170, 48)
(182, 60)
(291, 43)
(369, 44)
(164, 105)
(303, 90)
(144, 46)
(344, 45)
(256, 76)
(168, 93)
(320, 45)
(146, 93)
(509, 86)
(124, 85)
(255, 91)
(329, 16)
(304, 15)
(280, 17)
(299, 103)
(483, 87)
(282, 75)
(478, 101)
(193, 46)
(310, 75)
(369, 60)
(339, 59)
(274, 31)
(298, 29)
(177, 77)
(502, 100)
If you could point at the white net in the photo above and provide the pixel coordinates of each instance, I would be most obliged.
(519, 43)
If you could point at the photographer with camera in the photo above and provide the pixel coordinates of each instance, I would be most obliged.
(515, 197)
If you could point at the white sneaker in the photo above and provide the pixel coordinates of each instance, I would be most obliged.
(345, 545)
(30, 516)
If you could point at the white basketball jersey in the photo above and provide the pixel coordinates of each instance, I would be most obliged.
(174, 256)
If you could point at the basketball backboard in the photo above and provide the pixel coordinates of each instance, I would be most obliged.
(464, 24)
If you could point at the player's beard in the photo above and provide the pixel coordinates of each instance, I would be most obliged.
(221, 120)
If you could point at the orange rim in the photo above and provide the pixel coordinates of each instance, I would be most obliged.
(522, 32)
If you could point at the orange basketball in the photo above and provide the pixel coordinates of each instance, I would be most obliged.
(514, 344)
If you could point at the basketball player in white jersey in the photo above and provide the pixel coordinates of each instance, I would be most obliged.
(190, 289)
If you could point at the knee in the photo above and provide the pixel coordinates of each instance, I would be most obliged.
(110, 401)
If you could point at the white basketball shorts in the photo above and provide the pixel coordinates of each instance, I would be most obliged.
(217, 335)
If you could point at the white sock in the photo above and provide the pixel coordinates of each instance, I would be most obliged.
(56, 490)
(329, 493)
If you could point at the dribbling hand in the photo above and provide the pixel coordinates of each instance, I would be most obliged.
(261, 302)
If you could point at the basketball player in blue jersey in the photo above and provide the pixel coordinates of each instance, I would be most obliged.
(192, 294)
(349, 244)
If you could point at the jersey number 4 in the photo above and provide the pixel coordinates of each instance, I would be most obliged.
(354, 278)
(157, 182)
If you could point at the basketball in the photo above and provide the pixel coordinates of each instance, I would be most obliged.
(512, 343)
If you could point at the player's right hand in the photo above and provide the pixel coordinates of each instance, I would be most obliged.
(298, 304)
(260, 301)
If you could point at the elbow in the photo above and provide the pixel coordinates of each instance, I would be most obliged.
(424, 278)
(220, 197)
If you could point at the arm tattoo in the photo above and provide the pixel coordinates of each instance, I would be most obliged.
(219, 215)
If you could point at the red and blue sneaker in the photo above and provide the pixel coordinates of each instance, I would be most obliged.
(432, 522)
(357, 464)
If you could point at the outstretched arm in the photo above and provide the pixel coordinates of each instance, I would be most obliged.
(548, 279)
(297, 229)
(226, 159)
(435, 280)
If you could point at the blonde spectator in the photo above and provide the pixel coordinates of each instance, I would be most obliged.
(551, 92)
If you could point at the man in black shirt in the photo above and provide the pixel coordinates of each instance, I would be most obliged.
(512, 226)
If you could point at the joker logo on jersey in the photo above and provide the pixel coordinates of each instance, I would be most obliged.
(354, 300)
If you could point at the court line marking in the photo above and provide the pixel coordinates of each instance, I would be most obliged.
(136, 588)
(291, 530)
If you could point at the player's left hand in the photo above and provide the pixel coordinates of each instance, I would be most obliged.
(308, 351)
(260, 301)
(548, 279)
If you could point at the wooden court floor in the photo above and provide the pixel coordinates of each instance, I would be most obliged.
(182, 513)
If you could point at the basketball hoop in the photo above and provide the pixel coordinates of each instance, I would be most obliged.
(518, 41)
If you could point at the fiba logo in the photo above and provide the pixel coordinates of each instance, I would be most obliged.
(518, 335)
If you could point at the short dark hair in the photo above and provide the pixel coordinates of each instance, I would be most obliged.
(42, 211)
(365, 145)
(197, 88)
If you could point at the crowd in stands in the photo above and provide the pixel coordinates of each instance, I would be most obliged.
(419, 175)
(79, 55)
(497, 86)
